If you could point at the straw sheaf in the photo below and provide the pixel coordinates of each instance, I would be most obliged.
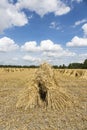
(43, 92)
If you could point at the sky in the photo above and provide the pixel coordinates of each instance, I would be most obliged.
(37, 31)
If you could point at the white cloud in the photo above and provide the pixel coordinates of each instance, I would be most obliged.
(48, 45)
(42, 7)
(31, 59)
(10, 16)
(15, 58)
(46, 51)
(64, 53)
(62, 10)
(13, 15)
(50, 57)
(54, 25)
(84, 27)
(45, 45)
(80, 22)
(78, 1)
(77, 41)
(7, 44)
(84, 55)
(30, 46)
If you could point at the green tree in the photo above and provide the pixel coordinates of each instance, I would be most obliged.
(85, 64)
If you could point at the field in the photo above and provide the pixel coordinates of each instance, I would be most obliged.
(71, 82)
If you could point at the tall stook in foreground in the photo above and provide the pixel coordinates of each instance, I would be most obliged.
(43, 91)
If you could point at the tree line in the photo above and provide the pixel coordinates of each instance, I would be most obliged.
(73, 66)
(18, 66)
(70, 66)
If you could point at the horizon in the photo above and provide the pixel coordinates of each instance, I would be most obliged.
(73, 65)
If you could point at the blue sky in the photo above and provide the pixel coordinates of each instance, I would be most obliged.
(37, 31)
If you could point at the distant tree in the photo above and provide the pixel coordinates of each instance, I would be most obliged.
(85, 64)
(75, 66)
(60, 66)
(63, 66)
(55, 67)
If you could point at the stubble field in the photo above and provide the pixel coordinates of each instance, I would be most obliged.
(71, 82)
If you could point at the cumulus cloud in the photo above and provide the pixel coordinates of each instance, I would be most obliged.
(7, 44)
(44, 7)
(84, 27)
(46, 51)
(48, 45)
(10, 16)
(77, 41)
(45, 45)
(30, 46)
(13, 15)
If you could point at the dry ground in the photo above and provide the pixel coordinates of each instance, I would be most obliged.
(11, 118)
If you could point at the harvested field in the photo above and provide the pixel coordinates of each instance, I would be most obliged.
(62, 105)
